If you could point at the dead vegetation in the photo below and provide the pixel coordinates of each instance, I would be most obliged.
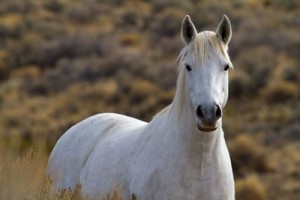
(62, 61)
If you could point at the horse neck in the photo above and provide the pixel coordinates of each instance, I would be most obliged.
(195, 141)
(177, 126)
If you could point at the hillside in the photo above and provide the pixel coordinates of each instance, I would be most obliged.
(62, 61)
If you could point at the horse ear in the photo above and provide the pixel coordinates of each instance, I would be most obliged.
(188, 30)
(224, 31)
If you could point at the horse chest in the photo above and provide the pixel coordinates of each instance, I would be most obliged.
(181, 188)
(183, 181)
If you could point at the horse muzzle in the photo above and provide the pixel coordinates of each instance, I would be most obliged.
(207, 117)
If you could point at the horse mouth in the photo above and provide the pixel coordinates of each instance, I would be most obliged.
(206, 128)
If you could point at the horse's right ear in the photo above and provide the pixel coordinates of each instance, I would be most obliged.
(188, 30)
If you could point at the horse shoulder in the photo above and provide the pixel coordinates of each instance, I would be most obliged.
(110, 158)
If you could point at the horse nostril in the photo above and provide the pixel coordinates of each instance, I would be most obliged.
(199, 112)
(218, 112)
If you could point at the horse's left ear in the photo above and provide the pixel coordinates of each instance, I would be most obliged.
(224, 31)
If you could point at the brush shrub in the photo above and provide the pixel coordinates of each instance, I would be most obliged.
(280, 92)
(247, 156)
(250, 188)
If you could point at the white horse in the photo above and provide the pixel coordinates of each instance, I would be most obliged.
(180, 154)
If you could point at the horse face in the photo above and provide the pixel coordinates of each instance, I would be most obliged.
(206, 64)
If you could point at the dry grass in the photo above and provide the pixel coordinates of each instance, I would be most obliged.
(250, 188)
(62, 61)
(248, 155)
(281, 91)
(24, 177)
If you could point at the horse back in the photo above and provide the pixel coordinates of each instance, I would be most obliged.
(73, 149)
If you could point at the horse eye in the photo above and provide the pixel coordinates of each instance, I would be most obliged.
(188, 67)
(226, 67)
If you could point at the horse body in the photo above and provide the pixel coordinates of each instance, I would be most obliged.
(174, 156)
(109, 152)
